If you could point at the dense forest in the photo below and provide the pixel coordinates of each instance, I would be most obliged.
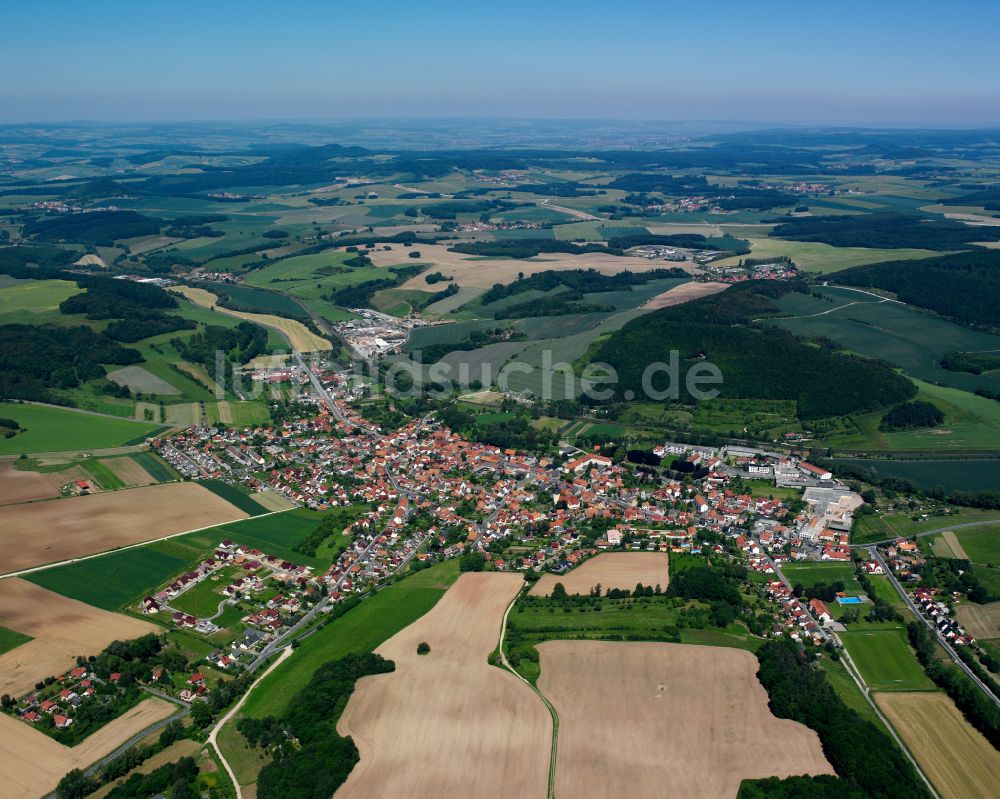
(889, 231)
(756, 362)
(37, 358)
(107, 298)
(964, 287)
(912, 415)
(975, 363)
(311, 759)
(581, 281)
(95, 227)
(868, 763)
(40, 262)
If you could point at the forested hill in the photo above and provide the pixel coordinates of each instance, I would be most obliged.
(757, 361)
(964, 287)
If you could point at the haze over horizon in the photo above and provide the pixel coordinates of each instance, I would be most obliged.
(889, 65)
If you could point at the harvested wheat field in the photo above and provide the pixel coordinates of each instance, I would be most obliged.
(447, 723)
(48, 532)
(956, 758)
(299, 336)
(31, 763)
(611, 570)
(983, 621)
(471, 271)
(19, 486)
(61, 628)
(678, 295)
(654, 720)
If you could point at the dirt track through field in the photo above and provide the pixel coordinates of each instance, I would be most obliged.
(956, 758)
(469, 271)
(611, 570)
(447, 723)
(60, 529)
(678, 295)
(31, 763)
(654, 720)
(61, 629)
(299, 336)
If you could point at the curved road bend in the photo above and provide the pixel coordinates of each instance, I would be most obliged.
(213, 735)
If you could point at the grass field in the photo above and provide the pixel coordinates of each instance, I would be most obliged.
(809, 574)
(50, 429)
(949, 473)
(117, 579)
(885, 660)
(20, 300)
(909, 338)
(362, 629)
(810, 256)
(105, 478)
(234, 496)
(203, 599)
(878, 527)
(157, 468)
(11, 639)
(981, 544)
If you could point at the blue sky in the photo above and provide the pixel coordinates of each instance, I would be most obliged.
(875, 62)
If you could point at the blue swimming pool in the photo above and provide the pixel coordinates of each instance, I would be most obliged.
(848, 600)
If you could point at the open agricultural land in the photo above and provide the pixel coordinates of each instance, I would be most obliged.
(60, 629)
(47, 532)
(957, 759)
(413, 727)
(21, 745)
(609, 570)
(290, 228)
(50, 429)
(625, 737)
(982, 621)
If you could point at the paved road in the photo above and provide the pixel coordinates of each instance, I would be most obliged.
(126, 745)
(925, 533)
(213, 735)
(937, 633)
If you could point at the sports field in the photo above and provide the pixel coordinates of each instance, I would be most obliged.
(654, 720)
(50, 429)
(809, 574)
(885, 660)
(956, 757)
(448, 723)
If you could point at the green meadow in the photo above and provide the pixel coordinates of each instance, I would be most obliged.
(49, 429)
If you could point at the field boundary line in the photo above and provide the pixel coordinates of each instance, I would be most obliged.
(548, 705)
(866, 692)
(213, 735)
(43, 567)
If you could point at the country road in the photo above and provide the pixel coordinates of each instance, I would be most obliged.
(213, 735)
(873, 551)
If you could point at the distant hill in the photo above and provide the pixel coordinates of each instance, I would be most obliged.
(964, 287)
(757, 361)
